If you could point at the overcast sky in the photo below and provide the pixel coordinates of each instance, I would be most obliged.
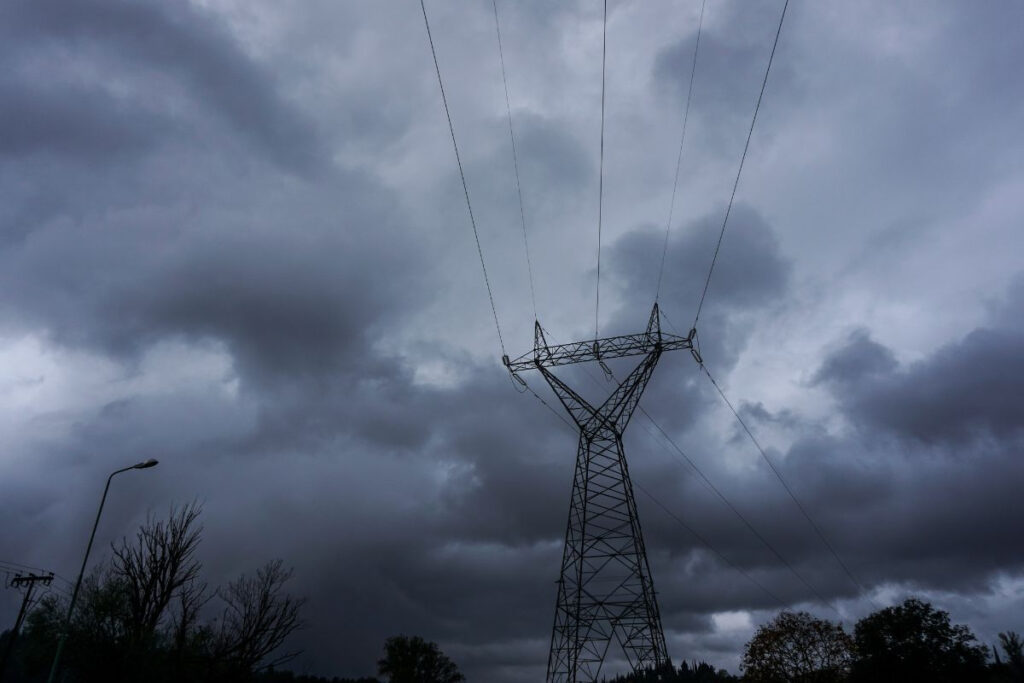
(233, 238)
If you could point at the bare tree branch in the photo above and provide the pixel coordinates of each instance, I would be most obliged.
(157, 566)
(258, 617)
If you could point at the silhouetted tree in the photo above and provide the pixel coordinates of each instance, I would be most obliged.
(1012, 669)
(138, 618)
(702, 672)
(158, 566)
(914, 642)
(800, 648)
(258, 616)
(272, 676)
(414, 660)
(686, 673)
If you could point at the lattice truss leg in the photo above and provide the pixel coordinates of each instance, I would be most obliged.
(605, 591)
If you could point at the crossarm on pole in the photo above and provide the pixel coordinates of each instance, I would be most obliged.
(643, 343)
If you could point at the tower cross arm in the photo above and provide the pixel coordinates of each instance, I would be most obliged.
(598, 349)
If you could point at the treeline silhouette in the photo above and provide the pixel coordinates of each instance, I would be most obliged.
(688, 672)
(911, 642)
(907, 643)
(146, 616)
(138, 617)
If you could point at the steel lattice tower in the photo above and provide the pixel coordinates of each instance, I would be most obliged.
(605, 590)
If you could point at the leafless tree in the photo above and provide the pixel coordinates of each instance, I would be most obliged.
(156, 567)
(185, 613)
(258, 616)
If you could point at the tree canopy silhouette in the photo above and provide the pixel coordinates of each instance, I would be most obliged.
(798, 647)
(138, 616)
(1011, 670)
(915, 642)
(414, 660)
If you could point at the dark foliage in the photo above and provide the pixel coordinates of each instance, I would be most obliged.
(414, 660)
(137, 619)
(275, 676)
(798, 647)
(914, 642)
(1009, 659)
(694, 672)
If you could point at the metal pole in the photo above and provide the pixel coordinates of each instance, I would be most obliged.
(30, 580)
(81, 572)
(14, 633)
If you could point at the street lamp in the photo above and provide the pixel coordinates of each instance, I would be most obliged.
(78, 584)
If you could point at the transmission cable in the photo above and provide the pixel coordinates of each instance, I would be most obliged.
(705, 542)
(709, 485)
(679, 158)
(702, 367)
(714, 489)
(19, 567)
(739, 171)
(778, 475)
(739, 514)
(462, 175)
(515, 158)
(600, 182)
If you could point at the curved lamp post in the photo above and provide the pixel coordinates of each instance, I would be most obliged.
(78, 584)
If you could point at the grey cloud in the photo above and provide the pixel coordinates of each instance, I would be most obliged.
(283, 304)
(750, 277)
(180, 40)
(750, 270)
(552, 158)
(859, 358)
(74, 121)
(319, 295)
(730, 68)
(964, 390)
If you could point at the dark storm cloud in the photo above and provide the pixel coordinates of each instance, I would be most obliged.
(965, 389)
(147, 42)
(552, 158)
(860, 357)
(73, 121)
(303, 323)
(282, 304)
(920, 488)
(729, 71)
(750, 276)
(750, 271)
(930, 511)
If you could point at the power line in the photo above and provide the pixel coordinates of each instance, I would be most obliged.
(740, 515)
(600, 182)
(705, 542)
(679, 158)
(19, 567)
(515, 158)
(702, 367)
(707, 483)
(714, 489)
(462, 175)
(778, 475)
(710, 547)
(739, 171)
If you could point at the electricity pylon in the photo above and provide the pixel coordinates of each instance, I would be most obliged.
(605, 589)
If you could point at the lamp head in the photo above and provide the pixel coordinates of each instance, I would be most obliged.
(144, 465)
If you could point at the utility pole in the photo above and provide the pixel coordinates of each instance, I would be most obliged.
(29, 582)
(605, 590)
